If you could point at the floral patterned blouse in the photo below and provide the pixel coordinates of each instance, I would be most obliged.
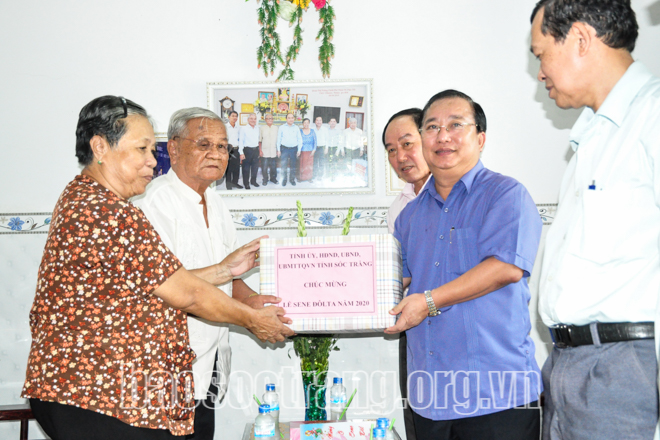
(100, 339)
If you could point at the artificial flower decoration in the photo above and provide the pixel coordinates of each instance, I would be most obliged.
(318, 3)
(302, 3)
(287, 9)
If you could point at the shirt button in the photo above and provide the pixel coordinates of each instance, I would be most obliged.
(442, 237)
(431, 353)
(437, 264)
(428, 322)
(577, 193)
(446, 209)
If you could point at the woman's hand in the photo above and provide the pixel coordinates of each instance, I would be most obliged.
(243, 259)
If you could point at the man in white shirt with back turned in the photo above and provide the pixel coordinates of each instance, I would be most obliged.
(194, 223)
(600, 277)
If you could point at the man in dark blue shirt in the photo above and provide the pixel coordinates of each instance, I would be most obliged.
(468, 242)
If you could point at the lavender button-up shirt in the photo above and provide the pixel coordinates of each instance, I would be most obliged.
(475, 357)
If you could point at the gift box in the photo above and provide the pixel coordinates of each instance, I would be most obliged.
(340, 284)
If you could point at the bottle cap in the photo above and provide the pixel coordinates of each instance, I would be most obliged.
(264, 409)
(379, 432)
(383, 422)
(337, 380)
(270, 387)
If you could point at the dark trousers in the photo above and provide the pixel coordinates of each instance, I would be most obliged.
(289, 162)
(68, 422)
(233, 167)
(408, 419)
(205, 411)
(319, 162)
(250, 165)
(269, 169)
(522, 423)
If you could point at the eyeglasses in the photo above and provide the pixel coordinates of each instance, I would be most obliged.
(206, 146)
(453, 128)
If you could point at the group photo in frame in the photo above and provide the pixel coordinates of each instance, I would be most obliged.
(344, 165)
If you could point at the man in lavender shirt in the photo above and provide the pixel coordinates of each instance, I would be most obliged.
(468, 242)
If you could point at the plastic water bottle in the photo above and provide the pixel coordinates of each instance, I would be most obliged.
(337, 400)
(384, 423)
(264, 424)
(273, 400)
(379, 433)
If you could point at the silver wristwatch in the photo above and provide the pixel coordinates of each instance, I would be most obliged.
(433, 310)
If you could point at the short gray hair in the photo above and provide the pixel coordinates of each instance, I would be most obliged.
(352, 120)
(179, 120)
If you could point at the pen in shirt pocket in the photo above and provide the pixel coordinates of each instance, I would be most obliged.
(451, 231)
(592, 186)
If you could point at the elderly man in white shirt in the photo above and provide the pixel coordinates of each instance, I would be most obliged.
(248, 148)
(600, 278)
(194, 223)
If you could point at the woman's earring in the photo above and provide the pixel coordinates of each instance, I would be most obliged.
(99, 162)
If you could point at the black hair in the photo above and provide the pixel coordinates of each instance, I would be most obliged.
(106, 117)
(614, 20)
(233, 112)
(479, 115)
(415, 113)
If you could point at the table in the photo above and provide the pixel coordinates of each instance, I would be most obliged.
(248, 432)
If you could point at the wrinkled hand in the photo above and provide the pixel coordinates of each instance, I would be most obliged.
(258, 301)
(268, 325)
(244, 258)
(413, 310)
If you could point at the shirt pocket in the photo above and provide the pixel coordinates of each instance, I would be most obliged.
(462, 252)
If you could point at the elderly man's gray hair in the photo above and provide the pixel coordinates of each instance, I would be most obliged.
(179, 120)
(352, 120)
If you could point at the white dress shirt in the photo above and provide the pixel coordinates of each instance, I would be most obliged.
(321, 135)
(602, 257)
(249, 137)
(232, 134)
(406, 196)
(354, 139)
(174, 210)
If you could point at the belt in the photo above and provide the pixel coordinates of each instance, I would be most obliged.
(575, 335)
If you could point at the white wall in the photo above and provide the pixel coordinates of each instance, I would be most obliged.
(55, 56)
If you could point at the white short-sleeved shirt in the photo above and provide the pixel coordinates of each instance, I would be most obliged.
(174, 210)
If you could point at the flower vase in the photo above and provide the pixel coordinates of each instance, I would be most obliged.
(314, 388)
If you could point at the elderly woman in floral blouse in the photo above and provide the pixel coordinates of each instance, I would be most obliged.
(110, 356)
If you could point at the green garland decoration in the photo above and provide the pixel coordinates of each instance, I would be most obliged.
(269, 53)
(327, 49)
(292, 51)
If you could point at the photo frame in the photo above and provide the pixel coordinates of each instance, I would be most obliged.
(356, 101)
(358, 116)
(243, 118)
(162, 156)
(267, 96)
(247, 108)
(300, 97)
(352, 173)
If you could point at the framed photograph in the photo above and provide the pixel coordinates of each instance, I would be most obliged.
(266, 96)
(284, 94)
(356, 101)
(352, 172)
(162, 156)
(247, 108)
(359, 117)
(300, 98)
(243, 118)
